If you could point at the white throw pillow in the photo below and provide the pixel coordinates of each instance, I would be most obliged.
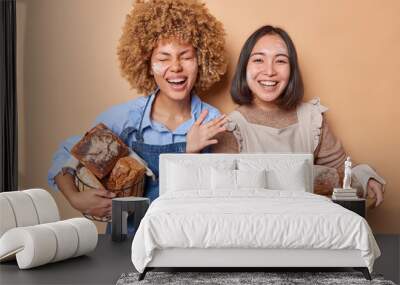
(182, 177)
(292, 179)
(226, 179)
(251, 178)
(188, 175)
(282, 174)
(223, 179)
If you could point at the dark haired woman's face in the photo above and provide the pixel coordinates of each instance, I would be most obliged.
(268, 69)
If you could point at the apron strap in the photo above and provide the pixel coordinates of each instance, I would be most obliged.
(304, 114)
(139, 135)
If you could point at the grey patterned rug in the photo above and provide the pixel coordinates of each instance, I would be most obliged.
(242, 278)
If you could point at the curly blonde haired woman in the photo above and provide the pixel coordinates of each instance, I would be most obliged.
(168, 50)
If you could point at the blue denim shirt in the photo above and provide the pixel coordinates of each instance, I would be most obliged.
(128, 114)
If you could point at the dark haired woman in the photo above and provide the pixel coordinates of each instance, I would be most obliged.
(272, 117)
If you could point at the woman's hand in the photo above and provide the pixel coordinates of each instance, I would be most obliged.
(95, 202)
(202, 135)
(375, 191)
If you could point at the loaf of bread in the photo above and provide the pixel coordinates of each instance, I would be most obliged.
(125, 174)
(99, 150)
(88, 179)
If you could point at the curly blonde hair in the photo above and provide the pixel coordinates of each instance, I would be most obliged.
(186, 20)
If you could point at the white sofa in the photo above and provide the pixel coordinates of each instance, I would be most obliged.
(31, 231)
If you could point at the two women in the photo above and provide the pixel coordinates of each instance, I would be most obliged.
(168, 50)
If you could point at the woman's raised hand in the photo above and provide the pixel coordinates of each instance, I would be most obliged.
(202, 135)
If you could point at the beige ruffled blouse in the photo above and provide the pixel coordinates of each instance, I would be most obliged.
(304, 130)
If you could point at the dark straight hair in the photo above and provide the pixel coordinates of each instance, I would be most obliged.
(294, 91)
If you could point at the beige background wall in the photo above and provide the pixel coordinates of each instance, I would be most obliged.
(348, 50)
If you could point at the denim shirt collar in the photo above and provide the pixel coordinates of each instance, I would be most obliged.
(195, 105)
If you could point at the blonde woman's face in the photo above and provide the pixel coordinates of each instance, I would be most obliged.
(268, 69)
(174, 67)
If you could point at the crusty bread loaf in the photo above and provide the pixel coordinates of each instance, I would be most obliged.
(88, 178)
(99, 150)
(127, 172)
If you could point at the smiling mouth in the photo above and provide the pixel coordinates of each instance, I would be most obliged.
(178, 84)
(268, 83)
(177, 81)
